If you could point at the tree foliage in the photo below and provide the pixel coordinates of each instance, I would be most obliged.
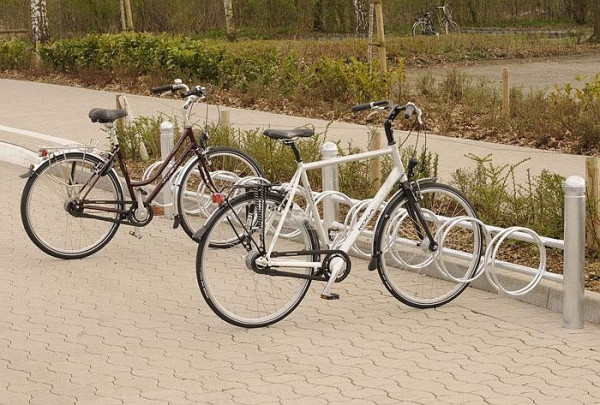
(268, 18)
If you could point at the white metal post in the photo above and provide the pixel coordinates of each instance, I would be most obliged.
(574, 253)
(166, 146)
(330, 181)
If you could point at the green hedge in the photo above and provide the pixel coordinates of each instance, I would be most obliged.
(15, 54)
(255, 67)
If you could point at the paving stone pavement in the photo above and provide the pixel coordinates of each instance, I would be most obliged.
(128, 325)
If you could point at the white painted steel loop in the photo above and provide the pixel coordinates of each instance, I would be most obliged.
(395, 223)
(492, 252)
(440, 237)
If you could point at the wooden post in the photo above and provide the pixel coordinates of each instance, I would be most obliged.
(375, 164)
(505, 93)
(592, 174)
(370, 37)
(122, 104)
(224, 119)
(380, 36)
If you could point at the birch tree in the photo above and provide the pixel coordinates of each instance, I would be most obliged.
(361, 11)
(229, 19)
(39, 21)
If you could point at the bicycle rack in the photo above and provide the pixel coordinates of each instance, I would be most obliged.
(489, 262)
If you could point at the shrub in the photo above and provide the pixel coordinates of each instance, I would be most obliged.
(500, 201)
(15, 54)
(258, 69)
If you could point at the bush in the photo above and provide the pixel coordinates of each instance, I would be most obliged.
(499, 201)
(258, 69)
(15, 54)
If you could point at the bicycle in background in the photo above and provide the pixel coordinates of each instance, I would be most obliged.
(424, 24)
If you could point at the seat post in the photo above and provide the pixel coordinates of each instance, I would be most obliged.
(292, 145)
(112, 133)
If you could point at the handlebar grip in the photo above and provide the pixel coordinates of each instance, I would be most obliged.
(196, 91)
(368, 106)
(162, 89)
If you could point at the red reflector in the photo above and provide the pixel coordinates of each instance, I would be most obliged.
(217, 198)
(44, 152)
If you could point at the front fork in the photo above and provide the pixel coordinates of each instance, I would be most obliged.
(416, 215)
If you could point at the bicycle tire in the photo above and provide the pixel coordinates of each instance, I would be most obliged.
(236, 293)
(452, 28)
(43, 206)
(194, 204)
(406, 265)
(419, 28)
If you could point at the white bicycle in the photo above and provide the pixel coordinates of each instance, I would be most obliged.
(275, 248)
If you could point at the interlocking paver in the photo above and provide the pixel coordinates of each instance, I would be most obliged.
(128, 326)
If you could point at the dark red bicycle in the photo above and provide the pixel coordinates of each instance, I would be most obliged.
(73, 201)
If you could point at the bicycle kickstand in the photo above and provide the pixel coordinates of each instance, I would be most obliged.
(136, 233)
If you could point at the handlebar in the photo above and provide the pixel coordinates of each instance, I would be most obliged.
(197, 91)
(409, 109)
(368, 106)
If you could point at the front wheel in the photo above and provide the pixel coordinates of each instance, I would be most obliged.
(49, 198)
(227, 166)
(230, 282)
(452, 28)
(407, 266)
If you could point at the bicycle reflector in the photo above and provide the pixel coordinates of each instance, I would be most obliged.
(217, 198)
(43, 152)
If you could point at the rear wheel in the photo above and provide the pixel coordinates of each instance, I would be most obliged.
(408, 267)
(49, 200)
(231, 283)
(419, 28)
(227, 166)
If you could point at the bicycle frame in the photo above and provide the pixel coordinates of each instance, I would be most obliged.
(116, 154)
(398, 174)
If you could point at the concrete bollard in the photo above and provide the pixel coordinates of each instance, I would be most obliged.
(330, 181)
(166, 146)
(574, 253)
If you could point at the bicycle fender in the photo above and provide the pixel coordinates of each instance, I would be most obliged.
(375, 256)
(71, 152)
(177, 182)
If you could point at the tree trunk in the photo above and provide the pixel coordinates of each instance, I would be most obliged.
(39, 21)
(362, 18)
(580, 10)
(229, 20)
(126, 16)
(596, 35)
(474, 11)
(318, 23)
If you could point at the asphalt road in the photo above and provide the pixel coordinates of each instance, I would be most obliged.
(530, 74)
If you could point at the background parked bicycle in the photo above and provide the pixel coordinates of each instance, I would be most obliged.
(424, 25)
(73, 201)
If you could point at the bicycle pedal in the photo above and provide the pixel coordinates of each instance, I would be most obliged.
(331, 296)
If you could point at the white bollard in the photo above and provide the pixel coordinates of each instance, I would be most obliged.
(166, 146)
(330, 181)
(574, 253)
